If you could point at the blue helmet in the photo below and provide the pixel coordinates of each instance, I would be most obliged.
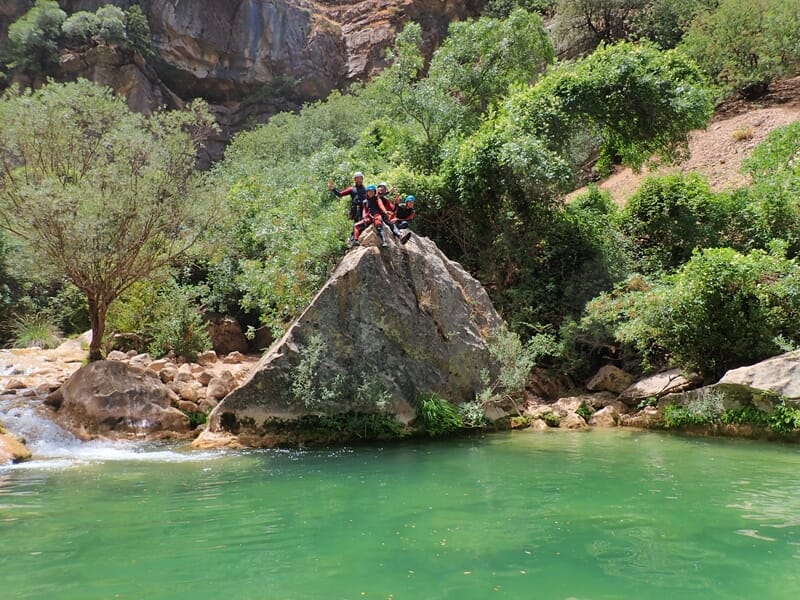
(372, 187)
(410, 198)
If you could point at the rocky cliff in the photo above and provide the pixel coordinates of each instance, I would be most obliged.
(390, 325)
(256, 57)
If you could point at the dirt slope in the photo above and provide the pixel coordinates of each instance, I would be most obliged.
(717, 152)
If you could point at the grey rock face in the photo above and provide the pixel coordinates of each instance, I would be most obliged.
(779, 374)
(391, 323)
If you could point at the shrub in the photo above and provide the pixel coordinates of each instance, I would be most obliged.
(178, 324)
(111, 24)
(702, 411)
(785, 418)
(437, 416)
(138, 31)
(34, 37)
(721, 310)
(744, 46)
(668, 218)
(35, 330)
(79, 28)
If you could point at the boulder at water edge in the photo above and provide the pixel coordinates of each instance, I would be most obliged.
(11, 449)
(113, 398)
(390, 325)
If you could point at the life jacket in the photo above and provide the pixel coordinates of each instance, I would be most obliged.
(372, 205)
(358, 195)
(404, 212)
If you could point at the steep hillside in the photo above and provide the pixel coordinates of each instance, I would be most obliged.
(717, 152)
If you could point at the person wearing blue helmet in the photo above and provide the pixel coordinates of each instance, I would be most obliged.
(404, 212)
(374, 212)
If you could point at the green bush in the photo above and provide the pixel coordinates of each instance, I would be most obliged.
(137, 31)
(111, 28)
(746, 45)
(785, 418)
(35, 330)
(438, 417)
(668, 218)
(719, 311)
(164, 317)
(34, 38)
(745, 415)
(79, 28)
(702, 411)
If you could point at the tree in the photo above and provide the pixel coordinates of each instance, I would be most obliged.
(476, 65)
(34, 37)
(583, 24)
(103, 195)
(744, 46)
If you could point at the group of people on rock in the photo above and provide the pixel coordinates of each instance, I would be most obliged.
(373, 205)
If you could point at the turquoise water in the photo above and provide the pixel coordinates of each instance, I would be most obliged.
(552, 515)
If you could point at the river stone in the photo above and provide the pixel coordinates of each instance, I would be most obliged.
(405, 320)
(658, 385)
(12, 450)
(607, 416)
(610, 379)
(779, 374)
(109, 397)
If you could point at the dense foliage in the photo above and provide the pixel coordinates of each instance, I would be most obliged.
(490, 133)
(101, 195)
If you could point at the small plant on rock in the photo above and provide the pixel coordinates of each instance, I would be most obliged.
(437, 416)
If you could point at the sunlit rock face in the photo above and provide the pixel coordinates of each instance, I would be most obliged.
(392, 322)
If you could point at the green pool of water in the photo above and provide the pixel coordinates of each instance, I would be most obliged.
(550, 515)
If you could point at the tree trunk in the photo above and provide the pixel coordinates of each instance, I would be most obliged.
(97, 319)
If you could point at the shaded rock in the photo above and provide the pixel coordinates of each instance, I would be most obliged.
(779, 374)
(168, 373)
(158, 364)
(546, 385)
(658, 385)
(605, 417)
(108, 397)
(234, 358)
(12, 450)
(204, 377)
(262, 339)
(221, 386)
(538, 425)
(206, 405)
(399, 321)
(188, 406)
(572, 421)
(647, 418)
(610, 379)
(207, 359)
(226, 335)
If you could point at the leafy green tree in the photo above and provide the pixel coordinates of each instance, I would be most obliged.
(668, 218)
(112, 24)
(476, 65)
(103, 195)
(581, 25)
(34, 37)
(721, 310)
(137, 31)
(745, 46)
(665, 22)
(79, 28)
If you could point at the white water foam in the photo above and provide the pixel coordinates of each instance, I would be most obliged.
(56, 448)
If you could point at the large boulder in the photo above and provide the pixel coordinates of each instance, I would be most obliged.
(779, 374)
(113, 398)
(389, 325)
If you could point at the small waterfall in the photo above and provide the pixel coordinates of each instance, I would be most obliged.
(54, 447)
